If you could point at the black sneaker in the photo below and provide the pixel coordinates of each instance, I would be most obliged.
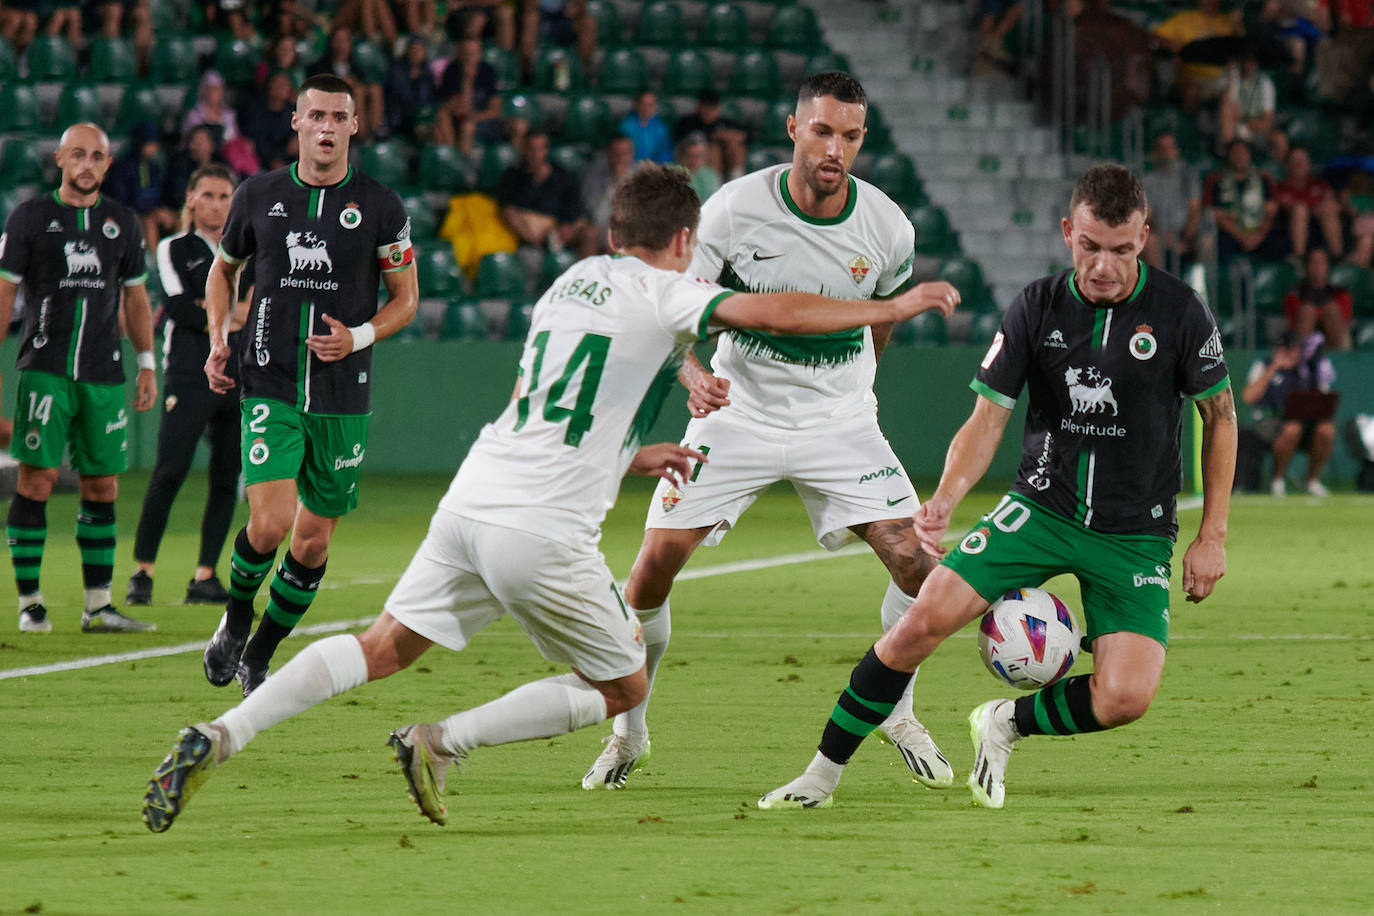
(140, 589)
(251, 677)
(222, 654)
(205, 591)
(192, 760)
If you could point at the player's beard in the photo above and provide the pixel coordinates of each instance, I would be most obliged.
(811, 177)
(91, 185)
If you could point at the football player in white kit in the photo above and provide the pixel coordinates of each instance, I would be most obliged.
(517, 532)
(795, 408)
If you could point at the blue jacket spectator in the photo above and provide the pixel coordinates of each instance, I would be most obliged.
(650, 135)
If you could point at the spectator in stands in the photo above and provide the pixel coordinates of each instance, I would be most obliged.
(267, 122)
(729, 140)
(201, 149)
(469, 100)
(996, 19)
(18, 26)
(1297, 364)
(1175, 194)
(417, 17)
(64, 16)
(1241, 199)
(411, 90)
(370, 18)
(1317, 305)
(485, 20)
(1308, 205)
(132, 18)
(1246, 111)
(539, 200)
(1357, 208)
(136, 179)
(647, 130)
(211, 109)
(338, 60)
(599, 181)
(1116, 41)
(1197, 81)
(565, 23)
(283, 55)
(1294, 28)
(691, 155)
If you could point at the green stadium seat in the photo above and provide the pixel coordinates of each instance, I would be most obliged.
(438, 272)
(518, 320)
(77, 102)
(443, 168)
(8, 67)
(173, 60)
(688, 73)
(463, 320)
(933, 234)
(984, 327)
(775, 123)
(1360, 282)
(169, 16)
(606, 15)
(237, 61)
(1315, 130)
(755, 74)
(1272, 282)
(570, 157)
(500, 276)
(761, 157)
(524, 107)
(558, 70)
(929, 329)
(112, 60)
(554, 263)
(496, 158)
(825, 61)
(51, 60)
(388, 161)
(9, 199)
(895, 176)
(20, 164)
(967, 277)
(140, 102)
(794, 28)
(587, 120)
(724, 25)
(879, 137)
(623, 72)
(660, 25)
(505, 64)
(20, 109)
(423, 221)
(371, 62)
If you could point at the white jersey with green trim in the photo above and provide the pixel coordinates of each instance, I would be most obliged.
(754, 237)
(603, 351)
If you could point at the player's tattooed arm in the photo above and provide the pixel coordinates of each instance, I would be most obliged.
(1219, 407)
(1204, 562)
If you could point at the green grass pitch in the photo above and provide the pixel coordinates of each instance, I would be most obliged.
(1245, 790)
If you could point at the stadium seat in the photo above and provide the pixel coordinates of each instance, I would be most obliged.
(506, 66)
(388, 161)
(928, 329)
(112, 60)
(586, 120)
(933, 234)
(775, 123)
(169, 16)
(524, 107)
(236, 60)
(423, 222)
(500, 276)
(438, 272)
(51, 60)
(761, 157)
(1272, 283)
(724, 26)
(77, 102)
(496, 158)
(7, 63)
(623, 72)
(463, 320)
(824, 61)
(558, 70)
(570, 157)
(984, 327)
(20, 164)
(443, 168)
(967, 277)
(555, 262)
(660, 25)
(755, 74)
(20, 109)
(688, 73)
(371, 62)
(173, 60)
(518, 320)
(1315, 130)
(1359, 281)
(140, 102)
(794, 28)
(9, 199)
(895, 175)
(879, 138)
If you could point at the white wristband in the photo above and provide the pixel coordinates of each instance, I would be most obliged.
(146, 361)
(364, 335)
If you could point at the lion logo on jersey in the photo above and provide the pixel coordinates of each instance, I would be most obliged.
(81, 258)
(308, 252)
(1089, 399)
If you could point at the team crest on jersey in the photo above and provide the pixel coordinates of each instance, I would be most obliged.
(54, 225)
(308, 252)
(1056, 340)
(33, 439)
(351, 217)
(81, 258)
(859, 266)
(110, 230)
(396, 255)
(671, 497)
(1089, 398)
(277, 209)
(170, 404)
(976, 542)
(1143, 344)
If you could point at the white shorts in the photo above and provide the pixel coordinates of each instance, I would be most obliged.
(845, 474)
(466, 574)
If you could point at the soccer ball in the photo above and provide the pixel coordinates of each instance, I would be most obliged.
(1028, 639)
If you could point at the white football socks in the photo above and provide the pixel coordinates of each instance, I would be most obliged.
(540, 709)
(895, 603)
(658, 628)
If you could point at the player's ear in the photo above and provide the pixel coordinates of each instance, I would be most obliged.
(1066, 226)
(792, 127)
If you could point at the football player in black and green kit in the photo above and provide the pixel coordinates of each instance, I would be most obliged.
(320, 234)
(1110, 351)
(75, 253)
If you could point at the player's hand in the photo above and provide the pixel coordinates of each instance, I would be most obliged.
(147, 390)
(333, 346)
(708, 392)
(1203, 564)
(924, 297)
(672, 462)
(931, 521)
(215, 364)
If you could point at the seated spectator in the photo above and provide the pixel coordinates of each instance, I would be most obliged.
(691, 155)
(729, 140)
(469, 100)
(564, 23)
(338, 60)
(133, 18)
(1197, 81)
(1241, 199)
(1125, 48)
(1308, 205)
(1357, 208)
(411, 90)
(64, 16)
(18, 26)
(1296, 27)
(283, 55)
(1175, 195)
(370, 18)
(996, 19)
(1297, 364)
(1317, 305)
(599, 181)
(136, 179)
(539, 200)
(417, 17)
(1246, 111)
(267, 122)
(212, 110)
(201, 149)
(485, 20)
(647, 130)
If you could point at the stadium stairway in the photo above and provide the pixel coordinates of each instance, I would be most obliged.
(975, 143)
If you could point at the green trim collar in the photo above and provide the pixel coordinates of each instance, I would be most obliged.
(1139, 285)
(816, 220)
(293, 169)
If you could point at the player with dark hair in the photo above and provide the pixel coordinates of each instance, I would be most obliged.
(191, 410)
(76, 254)
(1110, 351)
(320, 234)
(789, 407)
(517, 531)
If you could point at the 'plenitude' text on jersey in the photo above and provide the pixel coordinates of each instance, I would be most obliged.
(72, 264)
(754, 237)
(317, 251)
(603, 351)
(1107, 385)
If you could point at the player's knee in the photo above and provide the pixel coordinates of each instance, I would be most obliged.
(1115, 705)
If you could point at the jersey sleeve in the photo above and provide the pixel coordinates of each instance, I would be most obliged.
(133, 268)
(1202, 366)
(394, 251)
(713, 240)
(897, 271)
(14, 246)
(238, 241)
(180, 302)
(1003, 371)
(685, 305)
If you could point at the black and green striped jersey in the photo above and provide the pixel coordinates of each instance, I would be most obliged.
(72, 264)
(1107, 386)
(316, 251)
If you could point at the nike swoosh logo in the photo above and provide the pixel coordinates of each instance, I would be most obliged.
(893, 502)
(192, 265)
(765, 257)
